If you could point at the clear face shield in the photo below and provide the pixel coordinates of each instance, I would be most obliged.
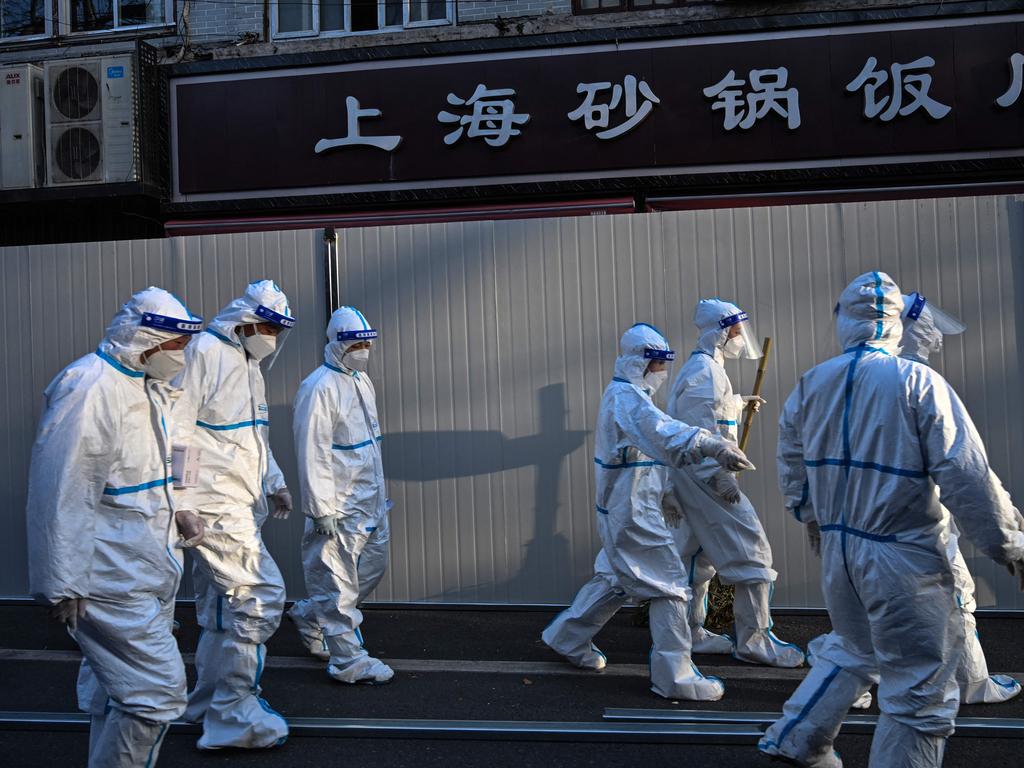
(284, 325)
(655, 379)
(356, 359)
(916, 305)
(742, 341)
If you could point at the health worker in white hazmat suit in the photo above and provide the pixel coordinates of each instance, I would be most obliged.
(103, 536)
(344, 499)
(639, 558)
(718, 528)
(864, 439)
(240, 592)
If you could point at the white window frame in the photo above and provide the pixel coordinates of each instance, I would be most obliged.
(47, 27)
(275, 34)
(65, 13)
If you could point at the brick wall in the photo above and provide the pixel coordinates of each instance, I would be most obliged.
(211, 20)
(482, 10)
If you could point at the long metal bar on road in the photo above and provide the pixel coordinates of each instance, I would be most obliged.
(484, 730)
(983, 727)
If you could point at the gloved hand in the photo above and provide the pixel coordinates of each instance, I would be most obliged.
(725, 453)
(191, 528)
(326, 525)
(814, 537)
(282, 501)
(1016, 569)
(725, 485)
(754, 401)
(69, 611)
(671, 510)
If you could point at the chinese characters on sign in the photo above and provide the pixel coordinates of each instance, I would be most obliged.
(1012, 94)
(907, 93)
(599, 115)
(768, 93)
(493, 119)
(490, 113)
(354, 138)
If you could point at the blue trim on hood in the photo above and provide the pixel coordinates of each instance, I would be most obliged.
(109, 360)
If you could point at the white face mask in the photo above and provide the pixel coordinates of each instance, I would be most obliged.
(733, 348)
(259, 345)
(164, 364)
(357, 359)
(655, 380)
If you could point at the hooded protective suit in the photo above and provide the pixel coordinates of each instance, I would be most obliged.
(924, 326)
(101, 528)
(337, 437)
(639, 558)
(240, 592)
(714, 533)
(863, 440)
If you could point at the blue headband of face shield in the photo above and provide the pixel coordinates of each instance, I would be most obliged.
(364, 335)
(914, 313)
(268, 314)
(667, 355)
(172, 324)
(727, 322)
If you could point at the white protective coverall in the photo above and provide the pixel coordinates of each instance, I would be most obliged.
(341, 475)
(924, 326)
(715, 534)
(639, 558)
(101, 528)
(240, 592)
(864, 438)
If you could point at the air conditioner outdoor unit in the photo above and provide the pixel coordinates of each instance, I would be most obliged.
(22, 140)
(91, 121)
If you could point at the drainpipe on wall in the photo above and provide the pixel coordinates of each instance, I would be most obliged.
(266, 21)
(331, 267)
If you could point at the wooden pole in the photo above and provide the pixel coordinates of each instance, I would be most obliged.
(748, 417)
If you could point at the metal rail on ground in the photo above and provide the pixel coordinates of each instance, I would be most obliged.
(976, 727)
(483, 730)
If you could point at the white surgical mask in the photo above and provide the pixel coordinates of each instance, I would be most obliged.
(259, 345)
(733, 348)
(655, 380)
(358, 359)
(164, 364)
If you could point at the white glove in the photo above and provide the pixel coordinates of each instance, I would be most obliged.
(69, 610)
(754, 401)
(191, 528)
(326, 525)
(726, 486)
(282, 501)
(671, 510)
(814, 537)
(725, 453)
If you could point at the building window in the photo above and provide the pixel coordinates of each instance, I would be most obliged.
(305, 18)
(105, 15)
(612, 6)
(24, 18)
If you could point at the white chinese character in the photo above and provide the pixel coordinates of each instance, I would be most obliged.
(599, 115)
(493, 119)
(354, 138)
(904, 81)
(1009, 98)
(768, 93)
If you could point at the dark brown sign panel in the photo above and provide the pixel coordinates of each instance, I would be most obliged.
(818, 97)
